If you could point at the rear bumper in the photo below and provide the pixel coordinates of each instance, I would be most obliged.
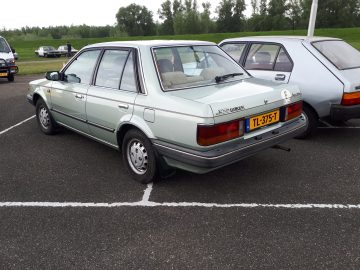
(8, 70)
(205, 161)
(343, 113)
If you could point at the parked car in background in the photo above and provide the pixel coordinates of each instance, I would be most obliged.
(47, 51)
(167, 104)
(8, 68)
(63, 50)
(327, 70)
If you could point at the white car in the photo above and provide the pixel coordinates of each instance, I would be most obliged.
(63, 50)
(47, 51)
(8, 68)
(327, 70)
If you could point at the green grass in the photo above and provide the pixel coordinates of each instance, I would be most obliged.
(38, 67)
(26, 49)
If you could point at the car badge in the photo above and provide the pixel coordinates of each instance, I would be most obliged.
(266, 101)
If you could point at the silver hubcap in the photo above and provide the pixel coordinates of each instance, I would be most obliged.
(44, 117)
(137, 156)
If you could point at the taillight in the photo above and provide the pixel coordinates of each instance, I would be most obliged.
(292, 111)
(350, 99)
(209, 135)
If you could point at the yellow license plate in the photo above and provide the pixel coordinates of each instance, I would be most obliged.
(3, 74)
(262, 120)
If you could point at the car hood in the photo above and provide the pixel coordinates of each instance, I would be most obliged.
(352, 76)
(5, 56)
(232, 100)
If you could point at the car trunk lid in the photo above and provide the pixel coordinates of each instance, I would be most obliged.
(241, 99)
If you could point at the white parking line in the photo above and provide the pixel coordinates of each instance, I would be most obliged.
(18, 124)
(176, 204)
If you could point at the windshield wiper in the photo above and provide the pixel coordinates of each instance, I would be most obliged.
(224, 77)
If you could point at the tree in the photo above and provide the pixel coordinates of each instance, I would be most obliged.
(277, 14)
(238, 19)
(231, 15)
(136, 20)
(294, 13)
(165, 12)
(224, 21)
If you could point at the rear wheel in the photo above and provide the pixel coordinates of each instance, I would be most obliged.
(11, 78)
(44, 118)
(312, 121)
(139, 156)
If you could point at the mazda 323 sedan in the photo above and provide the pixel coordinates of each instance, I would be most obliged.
(167, 104)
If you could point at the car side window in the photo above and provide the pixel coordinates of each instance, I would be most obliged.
(80, 70)
(235, 50)
(262, 56)
(111, 67)
(283, 62)
(128, 80)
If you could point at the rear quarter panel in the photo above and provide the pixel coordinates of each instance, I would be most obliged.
(318, 83)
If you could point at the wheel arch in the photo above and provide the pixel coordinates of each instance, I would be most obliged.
(133, 124)
(311, 108)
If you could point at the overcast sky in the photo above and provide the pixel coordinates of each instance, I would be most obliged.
(72, 12)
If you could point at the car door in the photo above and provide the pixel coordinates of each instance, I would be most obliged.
(111, 98)
(268, 61)
(68, 97)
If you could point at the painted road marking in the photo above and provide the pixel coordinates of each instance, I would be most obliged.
(145, 202)
(176, 204)
(18, 124)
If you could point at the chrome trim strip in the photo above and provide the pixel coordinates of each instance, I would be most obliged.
(88, 135)
(85, 121)
(100, 126)
(68, 115)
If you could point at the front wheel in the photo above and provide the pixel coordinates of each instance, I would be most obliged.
(11, 78)
(139, 157)
(46, 123)
(311, 123)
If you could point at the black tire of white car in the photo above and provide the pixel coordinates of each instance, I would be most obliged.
(139, 156)
(11, 78)
(43, 116)
(312, 123)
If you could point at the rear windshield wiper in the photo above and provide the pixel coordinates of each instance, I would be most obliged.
(224, 77)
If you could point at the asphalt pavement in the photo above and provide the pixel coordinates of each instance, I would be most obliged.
(67, 203)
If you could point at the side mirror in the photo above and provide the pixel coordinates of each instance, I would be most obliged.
(13, 50)
(54, 76)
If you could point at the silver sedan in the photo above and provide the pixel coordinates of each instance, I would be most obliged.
(167, 104)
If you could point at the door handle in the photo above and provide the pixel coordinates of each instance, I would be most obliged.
(280, 77)
(78, 96)
(123, 106)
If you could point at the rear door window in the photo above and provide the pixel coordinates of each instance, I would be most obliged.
(111, 68)
(271, 57)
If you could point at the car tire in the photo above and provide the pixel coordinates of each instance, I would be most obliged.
(11, 78)
(139, 156)
(45, 121)
(312, 122)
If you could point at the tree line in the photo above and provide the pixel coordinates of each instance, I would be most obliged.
(190, 17)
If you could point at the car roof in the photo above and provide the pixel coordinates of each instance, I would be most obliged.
(280, 38)
(150, 43)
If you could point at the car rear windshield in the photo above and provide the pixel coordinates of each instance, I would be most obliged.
(190, 66)
(340, 53)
